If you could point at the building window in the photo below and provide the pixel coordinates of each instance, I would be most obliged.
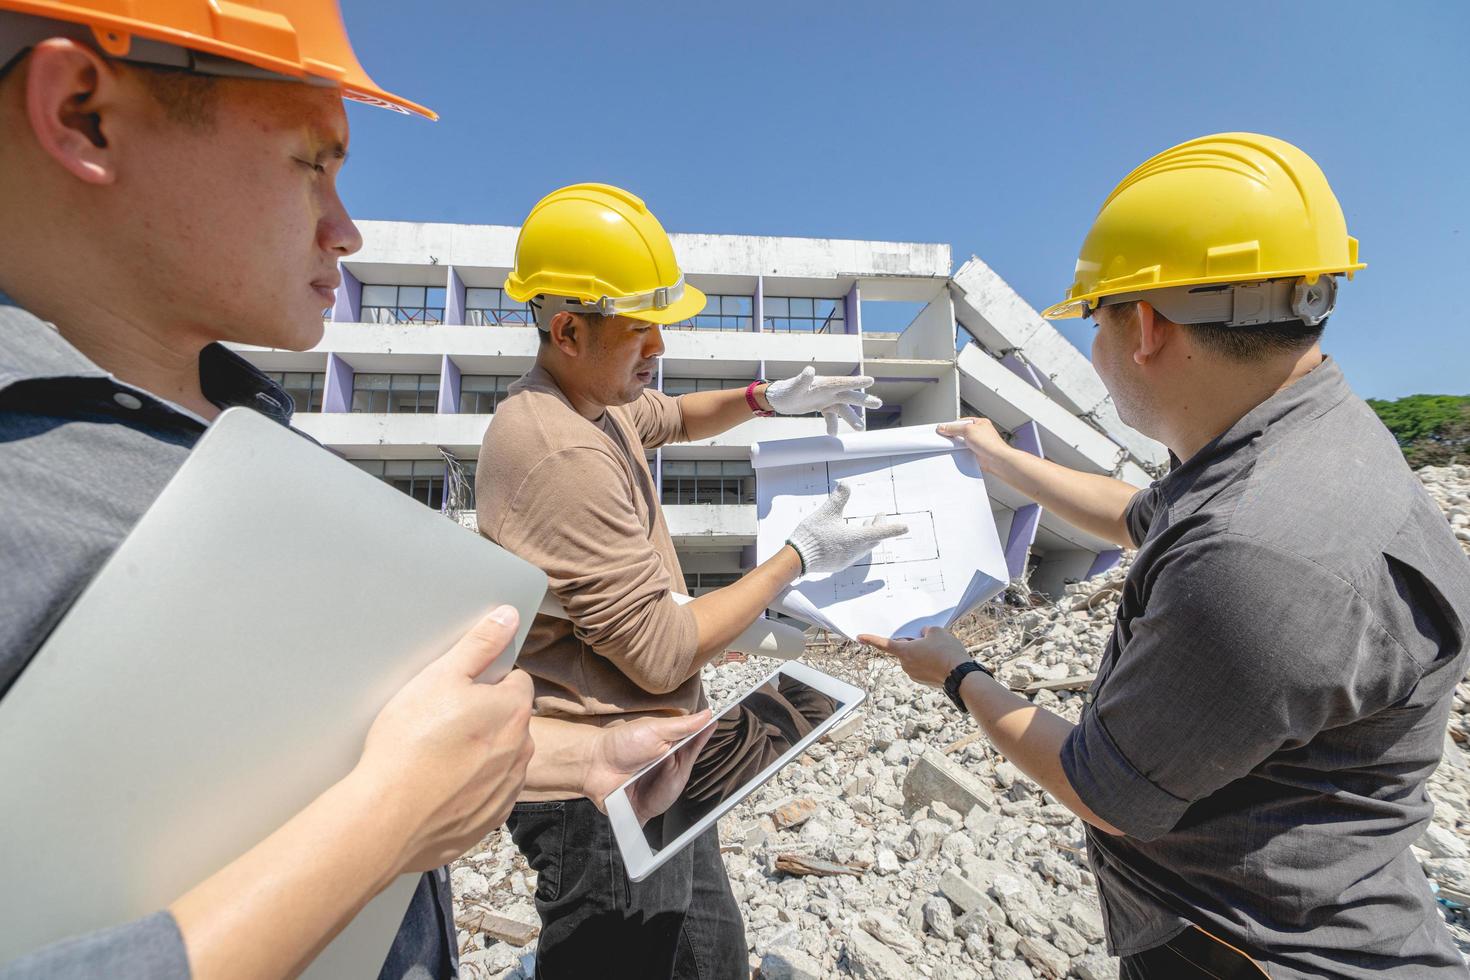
(708, 481)
(490, 307)
(421, 479)
(402, 304)
(683, 386)
(722, 313)
(803, 314)
(480, 394)
(883, 419)
(304, 387)
(698, 583)
(395, 393)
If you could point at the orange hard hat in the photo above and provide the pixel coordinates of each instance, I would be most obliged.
(303, 40)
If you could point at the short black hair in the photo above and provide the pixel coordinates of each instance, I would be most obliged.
(188, 98)
(1250, 343)
(1256, 342)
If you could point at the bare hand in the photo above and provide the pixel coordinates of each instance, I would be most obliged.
(927, 660)
(983, 438)
(447, 756)
(622, 750)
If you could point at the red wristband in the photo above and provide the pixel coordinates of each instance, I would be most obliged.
(755, 406)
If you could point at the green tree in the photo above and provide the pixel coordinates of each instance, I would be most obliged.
(1433, 430)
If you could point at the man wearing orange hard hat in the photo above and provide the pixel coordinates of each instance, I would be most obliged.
(167, 184)
(1250, 762)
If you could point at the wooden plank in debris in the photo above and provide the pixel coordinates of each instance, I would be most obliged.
(805, 864)
(1079, 683)
(514, 932)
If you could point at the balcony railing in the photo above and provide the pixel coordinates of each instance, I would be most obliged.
(403, 314)
(499, 318)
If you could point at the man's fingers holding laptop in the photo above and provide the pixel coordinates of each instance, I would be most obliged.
(447, 756)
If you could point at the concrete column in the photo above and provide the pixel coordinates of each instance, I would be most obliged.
(454, 299)
(758, 304)
(853, 309)
(448, 386)
(747, 557)
(348, 308)
(337, 392)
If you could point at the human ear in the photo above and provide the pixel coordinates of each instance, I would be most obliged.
(1153, 333)
(70, 95)
(564, 333)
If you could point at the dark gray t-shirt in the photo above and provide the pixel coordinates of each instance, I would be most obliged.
(82, 456)
(1275, 694)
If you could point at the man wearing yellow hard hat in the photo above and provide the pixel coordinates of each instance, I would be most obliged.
(1250, 763)
(563, 482)
(168, 182)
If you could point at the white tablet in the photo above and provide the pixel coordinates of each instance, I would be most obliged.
(677, 798)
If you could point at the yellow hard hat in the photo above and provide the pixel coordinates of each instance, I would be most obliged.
(1223, 209)
(601, 246)
(302, 40)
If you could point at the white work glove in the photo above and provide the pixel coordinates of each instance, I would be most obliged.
(827, 543)
(831, 395)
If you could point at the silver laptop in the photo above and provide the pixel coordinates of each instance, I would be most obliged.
(219, 673)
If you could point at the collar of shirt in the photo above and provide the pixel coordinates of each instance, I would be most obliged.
(1230, 455)
(33, 350)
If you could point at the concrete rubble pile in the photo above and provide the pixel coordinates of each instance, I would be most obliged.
(903, 845)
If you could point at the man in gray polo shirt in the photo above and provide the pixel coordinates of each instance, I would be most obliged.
(1252, 758)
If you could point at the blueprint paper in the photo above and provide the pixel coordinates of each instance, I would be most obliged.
(949, 562)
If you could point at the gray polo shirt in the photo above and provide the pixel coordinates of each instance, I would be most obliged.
(1275, 694)
(82, 456)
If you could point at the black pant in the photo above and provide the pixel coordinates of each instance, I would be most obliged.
(679, 922)
(1191, 955)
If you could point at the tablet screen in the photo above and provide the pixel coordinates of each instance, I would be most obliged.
(769, 724)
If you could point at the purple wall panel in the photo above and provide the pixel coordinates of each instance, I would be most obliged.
(1028, 437)
(853, 309)
(448, 386)
(1022, 369)
(348, 308)
(337, 396)
(1105, 562)
(454, 299)
(1018, 543)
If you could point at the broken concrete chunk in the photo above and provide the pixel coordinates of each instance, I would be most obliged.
(934, 777)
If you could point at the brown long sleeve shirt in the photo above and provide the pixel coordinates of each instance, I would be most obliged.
(575, 498)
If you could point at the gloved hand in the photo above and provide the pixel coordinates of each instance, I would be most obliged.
(827, 543)
(831, 395)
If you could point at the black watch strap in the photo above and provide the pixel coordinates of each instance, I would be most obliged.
(957, 677)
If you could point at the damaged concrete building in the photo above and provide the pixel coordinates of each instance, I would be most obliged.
(423, 342)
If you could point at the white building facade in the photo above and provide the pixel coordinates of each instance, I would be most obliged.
(422, 343)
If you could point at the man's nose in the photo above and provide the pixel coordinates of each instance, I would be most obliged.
(654, 347)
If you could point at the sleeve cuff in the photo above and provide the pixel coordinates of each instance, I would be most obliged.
(150, 947)
(1106, 781)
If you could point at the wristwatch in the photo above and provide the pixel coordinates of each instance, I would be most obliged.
(755, 406)
(957, 677)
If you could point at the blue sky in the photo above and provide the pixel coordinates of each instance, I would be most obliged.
(998, 128)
